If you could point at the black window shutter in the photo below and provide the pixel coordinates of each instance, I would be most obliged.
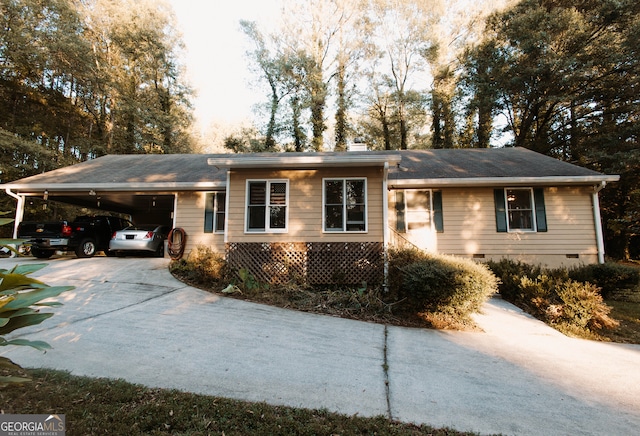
(208, 213)
(541, 214)
(501, 210)
(438, 218)
(400, 224)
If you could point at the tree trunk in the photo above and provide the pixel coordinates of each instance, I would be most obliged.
(317, 123)
(269, 142)
(341, 112)
(485, 125)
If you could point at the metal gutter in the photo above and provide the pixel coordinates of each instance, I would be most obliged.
(113, 187)
(501, 181)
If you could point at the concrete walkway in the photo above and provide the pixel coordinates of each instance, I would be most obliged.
(129, 318)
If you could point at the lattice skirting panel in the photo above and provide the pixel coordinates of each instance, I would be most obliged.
(311, 262)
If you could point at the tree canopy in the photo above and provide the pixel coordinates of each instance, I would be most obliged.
(82, 78)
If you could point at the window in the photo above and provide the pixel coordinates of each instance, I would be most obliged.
(419, 209)
(214, 212)
(267, 205)
(520, 209)
(344, 202)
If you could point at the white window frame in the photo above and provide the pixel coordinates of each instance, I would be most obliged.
(532, 210)
(267, 227)
(344, 205)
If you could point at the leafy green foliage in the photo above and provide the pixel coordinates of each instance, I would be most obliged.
(444, 284)
(610, 277)
(75, 84)
(247, 281)
(202, 266)
(21, 298)
(511, 273)
(9, 243)
(6, 242)
(573, 307)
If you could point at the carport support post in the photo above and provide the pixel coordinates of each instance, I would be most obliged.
(19, 211)
(385, 220)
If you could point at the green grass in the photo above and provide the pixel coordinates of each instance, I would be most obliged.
(115, 407)
(628, 315)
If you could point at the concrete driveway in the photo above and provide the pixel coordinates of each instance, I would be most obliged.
(129, 318)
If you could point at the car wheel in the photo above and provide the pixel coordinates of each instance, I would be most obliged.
(41, 254)
(160, 251)
(87, 248)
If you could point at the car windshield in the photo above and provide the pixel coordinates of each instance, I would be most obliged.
(145, 227)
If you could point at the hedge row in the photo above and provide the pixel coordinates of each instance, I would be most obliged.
(569, 299)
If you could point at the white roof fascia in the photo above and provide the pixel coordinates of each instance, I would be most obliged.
(502, 181)
(302, 162)
(120, 187)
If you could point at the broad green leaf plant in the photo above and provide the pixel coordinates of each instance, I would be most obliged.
(9, 244)
(21, 298)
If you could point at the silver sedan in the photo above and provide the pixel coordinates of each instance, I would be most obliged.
(140, 238)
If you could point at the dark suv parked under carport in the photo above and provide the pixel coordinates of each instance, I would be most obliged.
(86, 235)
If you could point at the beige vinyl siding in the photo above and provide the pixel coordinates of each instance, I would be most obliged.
(190, 217)
(305, 205)
(470, 228)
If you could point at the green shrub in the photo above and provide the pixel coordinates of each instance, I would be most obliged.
(428, 283)
(444, 284)
(610, 277)
(400, 258)
(536, 295)
(582, 306)
(202, 266)
(510, 273)
(572, 306)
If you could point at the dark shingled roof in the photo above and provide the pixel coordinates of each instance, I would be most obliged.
(137, 168)
(487, 162)
(193, 169)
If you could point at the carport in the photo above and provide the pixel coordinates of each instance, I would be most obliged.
(145, 187)
(141, 206)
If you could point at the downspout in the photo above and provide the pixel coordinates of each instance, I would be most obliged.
(226, 208)
(174, 217)
(19, 211)
(385, 224)
(597, 220)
